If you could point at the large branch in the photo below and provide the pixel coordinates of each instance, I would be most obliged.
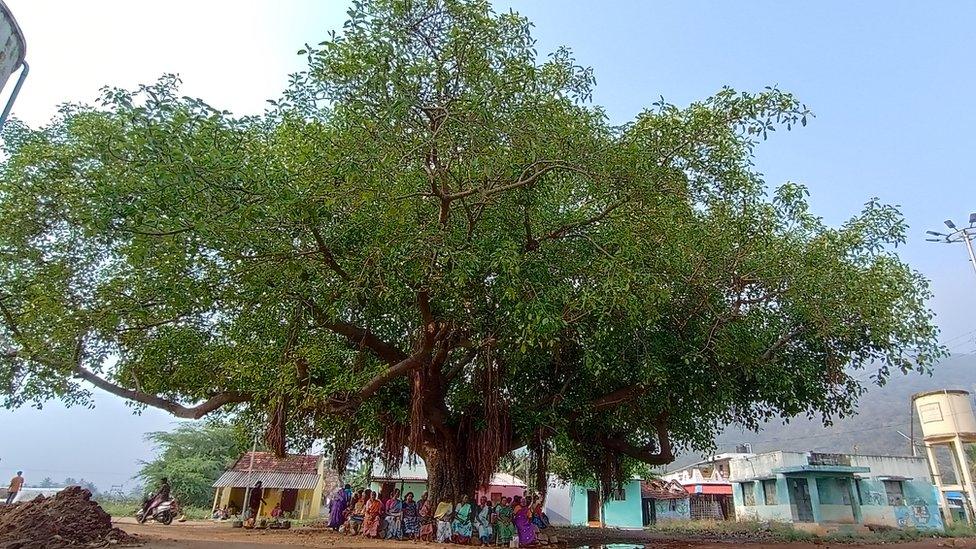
(219, 400)
(378, 381)
(358, 336)
(645, 454)
(616, 398)
(784, 339)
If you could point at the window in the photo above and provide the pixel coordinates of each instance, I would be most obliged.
(748, 493)
(896, 494)
(672, 505)
(769, 491)
(619, 494)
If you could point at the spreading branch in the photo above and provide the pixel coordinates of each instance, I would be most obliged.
(327, 256)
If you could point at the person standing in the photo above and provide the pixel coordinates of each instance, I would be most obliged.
(16, 484)
(337, 513)
(255, 501)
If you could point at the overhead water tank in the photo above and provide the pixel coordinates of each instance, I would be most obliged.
(13, 48)
(945, 414)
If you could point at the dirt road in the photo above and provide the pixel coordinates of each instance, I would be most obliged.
(207, 535)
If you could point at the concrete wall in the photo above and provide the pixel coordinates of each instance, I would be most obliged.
(308, 504)
(670, 510)
(762, 465)
(558, 504)
(895, 466)
(780, 511)
(624, 513)
(919, 508)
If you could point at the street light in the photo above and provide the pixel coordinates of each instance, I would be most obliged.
(956, 235)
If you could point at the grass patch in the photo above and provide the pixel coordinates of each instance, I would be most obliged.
(780, 531)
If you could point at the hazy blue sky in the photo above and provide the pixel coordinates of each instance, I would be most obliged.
(890, 82)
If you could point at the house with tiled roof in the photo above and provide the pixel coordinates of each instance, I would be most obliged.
(296, 482)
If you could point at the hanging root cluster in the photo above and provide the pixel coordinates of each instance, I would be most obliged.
(539, 451)
(275, 435)
(396, 437)
(488, 437)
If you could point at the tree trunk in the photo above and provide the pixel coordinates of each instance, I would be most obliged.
(449, 475)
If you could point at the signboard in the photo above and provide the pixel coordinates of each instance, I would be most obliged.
(829, 459)
(12, 45)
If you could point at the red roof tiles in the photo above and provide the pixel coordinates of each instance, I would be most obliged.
(266, 461)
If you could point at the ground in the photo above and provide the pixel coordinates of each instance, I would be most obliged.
(207, 535)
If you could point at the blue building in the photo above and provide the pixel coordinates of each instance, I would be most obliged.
(569, 504)
(823, 492)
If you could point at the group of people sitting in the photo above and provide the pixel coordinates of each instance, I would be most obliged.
(513, 521)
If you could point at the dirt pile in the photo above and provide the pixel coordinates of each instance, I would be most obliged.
(69, 519)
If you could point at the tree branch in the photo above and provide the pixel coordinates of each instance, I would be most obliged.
(357, 336)
(779, 343)
(327, 256)
(219, 400)
(532, 173)
(569, 227)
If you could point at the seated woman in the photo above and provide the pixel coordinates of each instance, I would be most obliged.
(371, 516)
(355, 521)
(483, 521)
(394, 516)
(444, 514)
(411, 517)
(503, 523)
(462, 522)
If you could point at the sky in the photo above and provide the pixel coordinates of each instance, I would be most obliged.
(889, 83)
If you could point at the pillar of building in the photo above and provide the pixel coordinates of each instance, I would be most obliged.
(855, 502)
(937, 480)
(814, 498)
(966, 479)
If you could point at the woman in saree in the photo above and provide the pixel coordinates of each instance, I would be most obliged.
(523, 522)
(411, 517)
(503, 524)
(483, 521)
(394, 516)
(337, 513)
(371, 516)
(355, 520)
(426, 519)
(444, 514)
(462, 522)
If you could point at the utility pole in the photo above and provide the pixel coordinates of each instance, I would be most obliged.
(956, 235)
(250, 480)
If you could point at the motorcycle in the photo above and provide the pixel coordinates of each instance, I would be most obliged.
(163, 513)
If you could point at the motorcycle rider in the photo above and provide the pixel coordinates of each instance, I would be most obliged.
(161, 495)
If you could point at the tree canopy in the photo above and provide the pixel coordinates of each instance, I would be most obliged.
(192, 457)
(434, 240)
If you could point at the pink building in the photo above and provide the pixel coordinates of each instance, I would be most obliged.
(413, 478)
(503, 485)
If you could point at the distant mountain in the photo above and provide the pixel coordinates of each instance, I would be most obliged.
(883, 411)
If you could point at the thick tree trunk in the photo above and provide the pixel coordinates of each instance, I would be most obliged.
(449, 476)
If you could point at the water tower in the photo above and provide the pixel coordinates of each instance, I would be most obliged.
(947, 420)
(13, 48)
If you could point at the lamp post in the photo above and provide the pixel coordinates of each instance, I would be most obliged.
(957, 234)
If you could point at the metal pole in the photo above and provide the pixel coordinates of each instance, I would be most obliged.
(246, 507)
(911, 426)
(13, 96)
(969, 246)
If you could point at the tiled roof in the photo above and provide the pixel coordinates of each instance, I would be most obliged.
(662, 489)
(267, 462)
(278, 481)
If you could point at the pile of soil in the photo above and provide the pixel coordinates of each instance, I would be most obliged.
(69, 519)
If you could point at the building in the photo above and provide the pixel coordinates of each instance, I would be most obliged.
(297, 482)
(412, 477)
(708, 484)
(569, 504)
(823, 492)
(664, 501)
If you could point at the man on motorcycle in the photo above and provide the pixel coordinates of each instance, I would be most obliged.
(161, 495)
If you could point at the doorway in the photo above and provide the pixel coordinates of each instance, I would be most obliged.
(592, 506)
(800, 496)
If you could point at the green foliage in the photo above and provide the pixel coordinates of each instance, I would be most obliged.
(432, 185)
(192, 457)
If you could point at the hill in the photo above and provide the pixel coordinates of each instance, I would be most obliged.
(883, 412)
